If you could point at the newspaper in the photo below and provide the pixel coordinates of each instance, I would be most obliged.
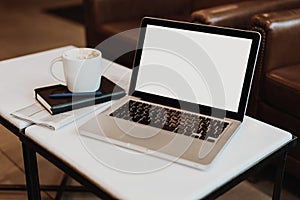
(37, 114)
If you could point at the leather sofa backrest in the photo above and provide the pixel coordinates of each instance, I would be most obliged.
(201, 4)
(237, 15)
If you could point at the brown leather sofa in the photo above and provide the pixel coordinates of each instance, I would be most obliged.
(278, 81)
(275, 94)
(106, 18)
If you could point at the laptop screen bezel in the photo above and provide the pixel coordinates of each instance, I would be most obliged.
(239, 115)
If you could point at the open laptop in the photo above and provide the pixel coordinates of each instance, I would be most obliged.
(188, 92)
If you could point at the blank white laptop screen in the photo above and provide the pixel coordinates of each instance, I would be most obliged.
(196, 67)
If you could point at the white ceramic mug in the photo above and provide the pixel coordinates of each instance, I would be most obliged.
(82, 69)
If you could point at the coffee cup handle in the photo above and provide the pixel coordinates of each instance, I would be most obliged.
(53, 76)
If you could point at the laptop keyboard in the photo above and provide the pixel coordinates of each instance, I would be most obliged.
(171, 120)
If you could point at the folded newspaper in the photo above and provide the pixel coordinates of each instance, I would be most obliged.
(37, 114)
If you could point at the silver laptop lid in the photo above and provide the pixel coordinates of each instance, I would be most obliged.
(199, 68)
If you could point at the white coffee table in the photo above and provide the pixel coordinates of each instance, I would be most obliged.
(112, 172)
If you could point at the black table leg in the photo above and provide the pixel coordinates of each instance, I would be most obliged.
(63, 184)
(279, 176)
(31, 173)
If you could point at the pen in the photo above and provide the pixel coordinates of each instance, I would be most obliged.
(82, 94)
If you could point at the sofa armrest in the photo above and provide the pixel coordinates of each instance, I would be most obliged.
(280, 38)
(118, 10)
(237, 15)
(280, 47)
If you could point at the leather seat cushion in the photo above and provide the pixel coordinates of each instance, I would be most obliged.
(118, 40)
(282, 89)
(110, 29)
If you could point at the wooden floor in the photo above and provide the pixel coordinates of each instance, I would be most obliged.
(26, 28)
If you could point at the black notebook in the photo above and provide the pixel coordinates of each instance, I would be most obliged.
(46, 96)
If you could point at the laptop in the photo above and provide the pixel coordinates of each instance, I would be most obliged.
(188, 92)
